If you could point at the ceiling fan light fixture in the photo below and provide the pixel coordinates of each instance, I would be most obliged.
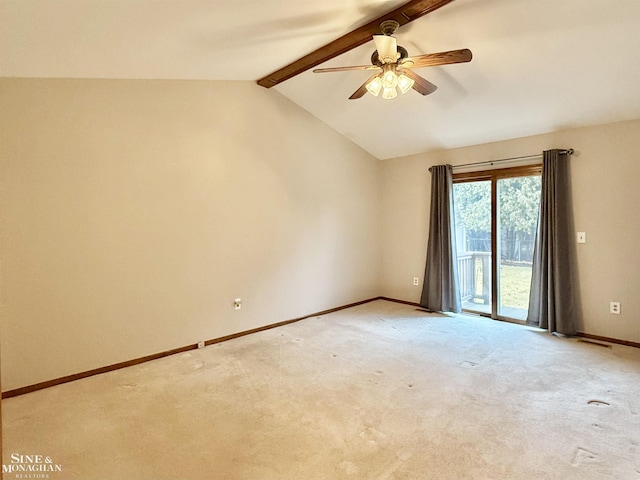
(389, 77)
(374, 86)
(389, 93)
(405, 83)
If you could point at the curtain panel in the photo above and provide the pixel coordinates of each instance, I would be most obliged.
(552, 303)
(440, 290)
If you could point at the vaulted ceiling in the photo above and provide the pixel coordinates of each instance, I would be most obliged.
(538, 66)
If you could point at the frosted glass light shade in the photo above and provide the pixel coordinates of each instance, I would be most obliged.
(374, 86)
(405, 83)
(389, 93)
(389, 79)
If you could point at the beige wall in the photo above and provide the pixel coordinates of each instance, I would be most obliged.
(134, 212)
(605, 175)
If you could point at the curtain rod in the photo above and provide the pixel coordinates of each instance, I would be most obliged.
(568, 151)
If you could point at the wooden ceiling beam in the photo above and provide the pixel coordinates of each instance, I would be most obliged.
(403, 15)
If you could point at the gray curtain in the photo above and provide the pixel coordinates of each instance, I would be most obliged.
(440, 290)
(552, 303)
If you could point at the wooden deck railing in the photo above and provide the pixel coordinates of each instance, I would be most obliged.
(474, 275)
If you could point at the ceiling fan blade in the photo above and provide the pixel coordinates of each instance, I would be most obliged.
(387, 47)
(421, 85)
(344, 69)
(359, 93)
(404, 14)
(435, 59)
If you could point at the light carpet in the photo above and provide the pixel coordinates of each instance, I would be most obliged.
(378, 391)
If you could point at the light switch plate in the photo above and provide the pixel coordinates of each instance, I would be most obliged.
(581, 237)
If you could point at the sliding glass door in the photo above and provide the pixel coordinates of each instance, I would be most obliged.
(496, 218)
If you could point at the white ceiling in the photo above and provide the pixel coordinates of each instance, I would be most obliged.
(538, 66)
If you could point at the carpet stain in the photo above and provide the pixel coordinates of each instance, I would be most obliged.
(371, 434)
(197, 365)
(468, 364)
(598, 403)
(582, 455)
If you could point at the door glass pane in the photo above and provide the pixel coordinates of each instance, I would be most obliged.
(472, 203)
(518, 203)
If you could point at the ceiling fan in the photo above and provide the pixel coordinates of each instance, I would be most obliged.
(394, 66)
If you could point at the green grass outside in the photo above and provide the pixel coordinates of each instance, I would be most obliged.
(514, 286)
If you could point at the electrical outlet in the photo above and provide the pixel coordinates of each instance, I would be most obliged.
(200, 344)
(237, 303)
(416, 281)
(614, 307)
